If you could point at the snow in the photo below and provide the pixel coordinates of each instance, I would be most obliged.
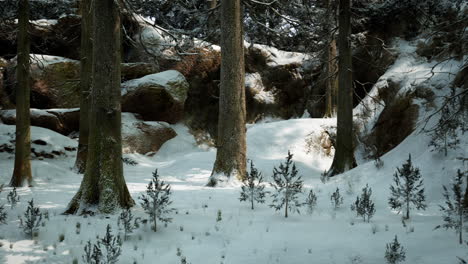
(245, 236)
(281, 57)
(164, 79)
(254, 81)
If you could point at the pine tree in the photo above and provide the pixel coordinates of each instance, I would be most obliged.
(125, 222)
(454, 212)
(336, 199)
(408, 189)
(3, 215)
(288, 184)
(252, 188)
(32, 219)
(363, 205)
(13, 198)
(156, 201)
(113, 245)
(311, 201)
(395, 253)
(110, 245)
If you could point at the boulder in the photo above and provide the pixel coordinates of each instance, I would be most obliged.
(144, 137)
(137, 70)
(156, 97)
(55, 82)
(63, 121)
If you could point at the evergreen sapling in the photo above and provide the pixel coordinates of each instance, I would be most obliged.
(311, 201)
(288, 184)
(363, 205)
(157, 200)
(125, 222)
(109, 244)
(13, 198)
(32, 219)
(407, 189)
(454, 212)
(112, 244)
(252, 188)
(3, 215)
(395, 253)
(336, 199)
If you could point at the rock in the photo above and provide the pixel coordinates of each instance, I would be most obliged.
(137, 70)
(461, 79)
(55, 82)
(63, 121)
(156, 97)
(144, 137)
(4, 100)
(399, 117)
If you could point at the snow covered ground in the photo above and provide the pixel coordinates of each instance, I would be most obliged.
(242, 236)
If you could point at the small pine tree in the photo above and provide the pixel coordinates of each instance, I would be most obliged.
(336, 199)
(395, 253)
(288, 184)
(32, 219)
(125, 222)
(252, 188)
(444, 135)
(311, 201)
(363, 205)
(408, 189)
(156, 201)
(93, 253)
(112, 244)
(3, 215)
(454, 212)
(13, 198)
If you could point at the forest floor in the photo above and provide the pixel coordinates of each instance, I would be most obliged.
(242, 235)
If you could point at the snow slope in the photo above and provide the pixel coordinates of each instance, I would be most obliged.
(242, 236)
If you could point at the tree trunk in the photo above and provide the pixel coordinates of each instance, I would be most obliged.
(331, 67)
(231, 142)
(22, 170)
(286, 209)
(85, 83)
(331, 83)
(344, 151)
(213, 4)
(103, 185)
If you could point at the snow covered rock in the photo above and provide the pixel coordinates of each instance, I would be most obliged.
(63, 121)
(156, 97)
(44, 142)
(144, 137)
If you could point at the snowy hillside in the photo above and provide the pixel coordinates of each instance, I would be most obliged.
(243, 235)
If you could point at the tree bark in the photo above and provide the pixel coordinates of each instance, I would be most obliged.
(85, 83)
(331, 67)
(344, 150)
(22, 170)
(231, 141)
(331, 84)
(103, 185)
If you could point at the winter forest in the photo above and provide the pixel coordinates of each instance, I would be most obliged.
(234, 131)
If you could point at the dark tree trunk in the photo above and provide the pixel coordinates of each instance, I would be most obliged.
(86, 63)
(331, 67)
(22, 170)
(344, 151)
(231, 142)
(103, 184)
